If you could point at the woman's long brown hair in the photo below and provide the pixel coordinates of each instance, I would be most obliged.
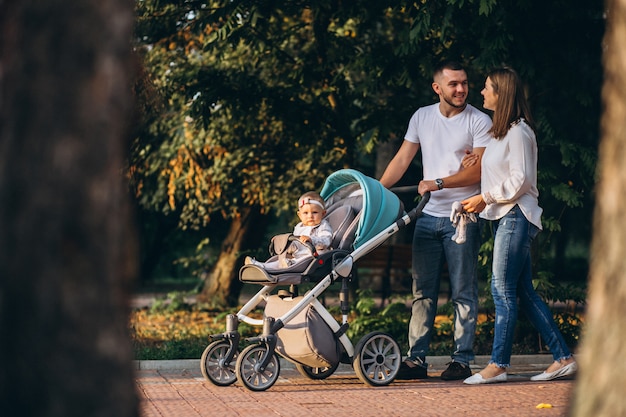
(512, 102)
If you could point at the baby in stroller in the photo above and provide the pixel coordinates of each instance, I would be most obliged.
(313, 235)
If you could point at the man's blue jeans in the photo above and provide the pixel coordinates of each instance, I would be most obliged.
(512, 277)
(432, 246)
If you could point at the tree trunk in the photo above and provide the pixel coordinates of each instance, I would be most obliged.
(67, 248)
(222, 287)
(601, 380)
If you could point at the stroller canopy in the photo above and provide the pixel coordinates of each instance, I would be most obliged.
(381, 207)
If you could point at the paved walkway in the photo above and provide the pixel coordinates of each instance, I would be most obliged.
(177, 389)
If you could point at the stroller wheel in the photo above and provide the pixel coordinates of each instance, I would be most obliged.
(248, 368)
(377, 359)
(315, 372)
(213, 366)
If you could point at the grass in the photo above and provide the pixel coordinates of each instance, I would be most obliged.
(177, 330)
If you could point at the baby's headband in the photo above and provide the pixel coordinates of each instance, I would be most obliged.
(309, 200)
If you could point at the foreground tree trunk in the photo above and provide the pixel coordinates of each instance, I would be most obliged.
(222, 287)
(601, 381)
(67, 251)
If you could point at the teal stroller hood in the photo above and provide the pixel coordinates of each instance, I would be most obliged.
(381, 207)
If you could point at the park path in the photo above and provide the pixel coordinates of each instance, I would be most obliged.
(181, 391)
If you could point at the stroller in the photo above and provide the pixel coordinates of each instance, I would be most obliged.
(363, 215)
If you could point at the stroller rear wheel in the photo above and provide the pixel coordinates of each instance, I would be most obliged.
(316, 372)
(249, 370)
(377, 359)
(213, 366)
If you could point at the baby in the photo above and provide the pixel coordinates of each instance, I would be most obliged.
(312, 228)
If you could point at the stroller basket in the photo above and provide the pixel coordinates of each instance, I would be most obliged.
(306, 339)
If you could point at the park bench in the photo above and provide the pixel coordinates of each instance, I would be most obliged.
(386, 270)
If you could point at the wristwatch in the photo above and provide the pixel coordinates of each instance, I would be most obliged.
(439, 183)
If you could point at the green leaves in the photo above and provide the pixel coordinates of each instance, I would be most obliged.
(264, 99)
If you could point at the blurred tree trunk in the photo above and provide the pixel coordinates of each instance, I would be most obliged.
(67, 248)
(601, 381)
(222, 286)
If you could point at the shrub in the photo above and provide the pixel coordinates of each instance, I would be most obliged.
(181, 331)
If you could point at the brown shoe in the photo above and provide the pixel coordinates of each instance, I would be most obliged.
(456, 371)
(410, 370)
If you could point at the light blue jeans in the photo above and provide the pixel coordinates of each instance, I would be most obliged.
(512, 278)
(432, 246)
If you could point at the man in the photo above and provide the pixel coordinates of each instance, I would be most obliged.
(445, 132)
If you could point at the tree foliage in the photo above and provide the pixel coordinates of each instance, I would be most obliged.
(264, 99)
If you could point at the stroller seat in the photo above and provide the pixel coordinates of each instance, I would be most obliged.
(357, 207)
(343, 219)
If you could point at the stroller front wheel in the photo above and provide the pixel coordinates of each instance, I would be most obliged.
(214, 367)
(377, 359)
(249, 370)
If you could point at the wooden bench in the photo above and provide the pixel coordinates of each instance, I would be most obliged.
(387, 268)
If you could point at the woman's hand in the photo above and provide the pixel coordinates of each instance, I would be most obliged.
(469, 159)
(474, 204)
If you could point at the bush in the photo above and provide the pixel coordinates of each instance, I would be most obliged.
(177, 330)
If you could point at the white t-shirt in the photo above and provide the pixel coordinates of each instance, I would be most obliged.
(509, 175)
(443, 141)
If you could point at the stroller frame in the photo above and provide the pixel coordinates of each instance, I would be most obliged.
(376, 358)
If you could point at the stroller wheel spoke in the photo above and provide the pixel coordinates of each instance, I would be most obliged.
(370, 353)
(387, 348)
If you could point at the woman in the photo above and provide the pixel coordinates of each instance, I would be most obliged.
(510, 200)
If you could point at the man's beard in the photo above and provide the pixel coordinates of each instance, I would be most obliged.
(457, 106)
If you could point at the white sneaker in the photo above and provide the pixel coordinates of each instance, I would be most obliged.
(568, 369)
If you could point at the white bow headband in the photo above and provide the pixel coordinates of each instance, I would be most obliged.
(309, 200)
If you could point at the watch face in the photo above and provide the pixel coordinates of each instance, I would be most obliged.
(439, 183)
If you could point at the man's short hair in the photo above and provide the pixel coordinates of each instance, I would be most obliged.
(448, 65)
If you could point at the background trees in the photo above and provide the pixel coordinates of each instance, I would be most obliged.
(264, 100)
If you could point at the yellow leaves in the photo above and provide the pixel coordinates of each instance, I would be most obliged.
(171, 326)
(186, 176)
(443, 319)
(332, 101)
(148, 326)
(253, 183)
(208, 29)
(171, 191)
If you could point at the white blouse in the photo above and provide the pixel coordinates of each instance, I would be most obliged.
(509, 175)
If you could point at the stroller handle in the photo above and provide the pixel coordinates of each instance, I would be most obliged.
(417, 210)
(404, 189)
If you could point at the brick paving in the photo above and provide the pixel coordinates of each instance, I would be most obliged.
(181, 391)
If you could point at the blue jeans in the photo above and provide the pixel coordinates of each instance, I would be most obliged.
(432, 246)
(512, 278)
